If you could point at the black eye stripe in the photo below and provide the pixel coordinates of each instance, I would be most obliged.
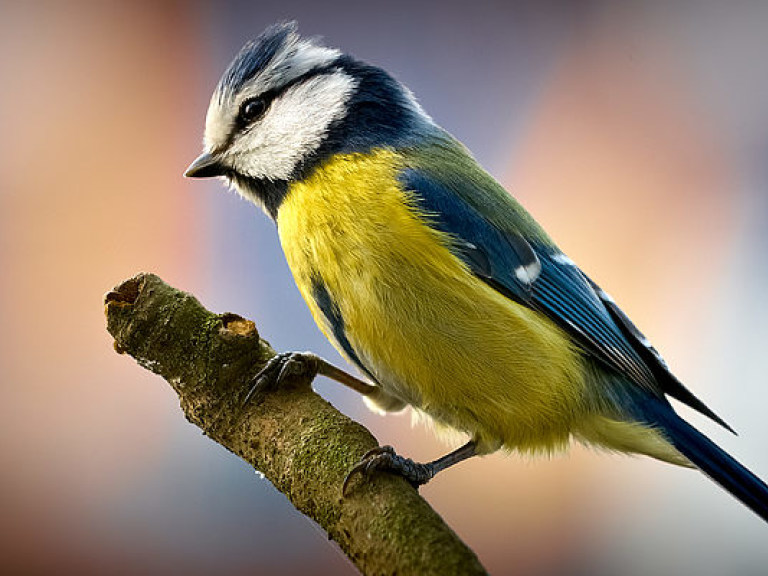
(269, 96)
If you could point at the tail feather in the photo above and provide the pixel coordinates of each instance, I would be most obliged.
(709, 458)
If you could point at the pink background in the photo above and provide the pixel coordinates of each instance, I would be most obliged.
(637, 134)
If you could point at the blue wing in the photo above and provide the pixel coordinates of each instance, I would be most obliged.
(539, 276)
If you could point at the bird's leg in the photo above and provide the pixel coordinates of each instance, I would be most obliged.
(289, 364)
(330, 371)
(385, 458)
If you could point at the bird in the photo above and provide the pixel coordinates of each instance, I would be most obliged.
(431, 279)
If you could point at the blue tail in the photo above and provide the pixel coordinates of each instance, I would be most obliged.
(708, 457)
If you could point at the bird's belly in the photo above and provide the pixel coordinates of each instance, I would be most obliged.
(470, 359)
(432, 333)
(459, 351)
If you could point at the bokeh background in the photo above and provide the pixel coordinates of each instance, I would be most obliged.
(636, 132)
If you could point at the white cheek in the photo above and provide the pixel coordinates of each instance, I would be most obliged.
(294, 126)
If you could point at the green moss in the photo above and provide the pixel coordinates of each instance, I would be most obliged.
(300, 442)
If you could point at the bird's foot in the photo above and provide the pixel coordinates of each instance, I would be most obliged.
(386, 459)
(280, 367)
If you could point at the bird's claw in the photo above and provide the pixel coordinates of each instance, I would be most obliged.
(385, 458)
(278, 369)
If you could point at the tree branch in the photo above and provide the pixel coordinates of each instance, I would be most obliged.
(301, 443)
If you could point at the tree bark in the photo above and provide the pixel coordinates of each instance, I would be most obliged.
(301, 443)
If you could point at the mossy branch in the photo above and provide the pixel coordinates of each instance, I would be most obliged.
(301, 443)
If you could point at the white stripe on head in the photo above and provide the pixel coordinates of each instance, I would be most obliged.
(295, 58)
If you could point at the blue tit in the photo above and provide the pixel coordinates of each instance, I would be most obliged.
(431, 279)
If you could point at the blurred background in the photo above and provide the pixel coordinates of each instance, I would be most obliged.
(636, 132)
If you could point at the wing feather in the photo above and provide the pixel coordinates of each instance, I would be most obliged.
(536, 274)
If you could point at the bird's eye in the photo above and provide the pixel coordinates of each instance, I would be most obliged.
(252, 110)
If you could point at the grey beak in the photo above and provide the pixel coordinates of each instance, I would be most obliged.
(205, 166)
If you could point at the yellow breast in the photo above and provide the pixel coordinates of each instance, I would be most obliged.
(432, 333)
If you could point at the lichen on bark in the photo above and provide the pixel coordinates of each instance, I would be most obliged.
(297, 440)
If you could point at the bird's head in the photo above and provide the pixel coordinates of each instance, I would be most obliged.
(286, 103)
